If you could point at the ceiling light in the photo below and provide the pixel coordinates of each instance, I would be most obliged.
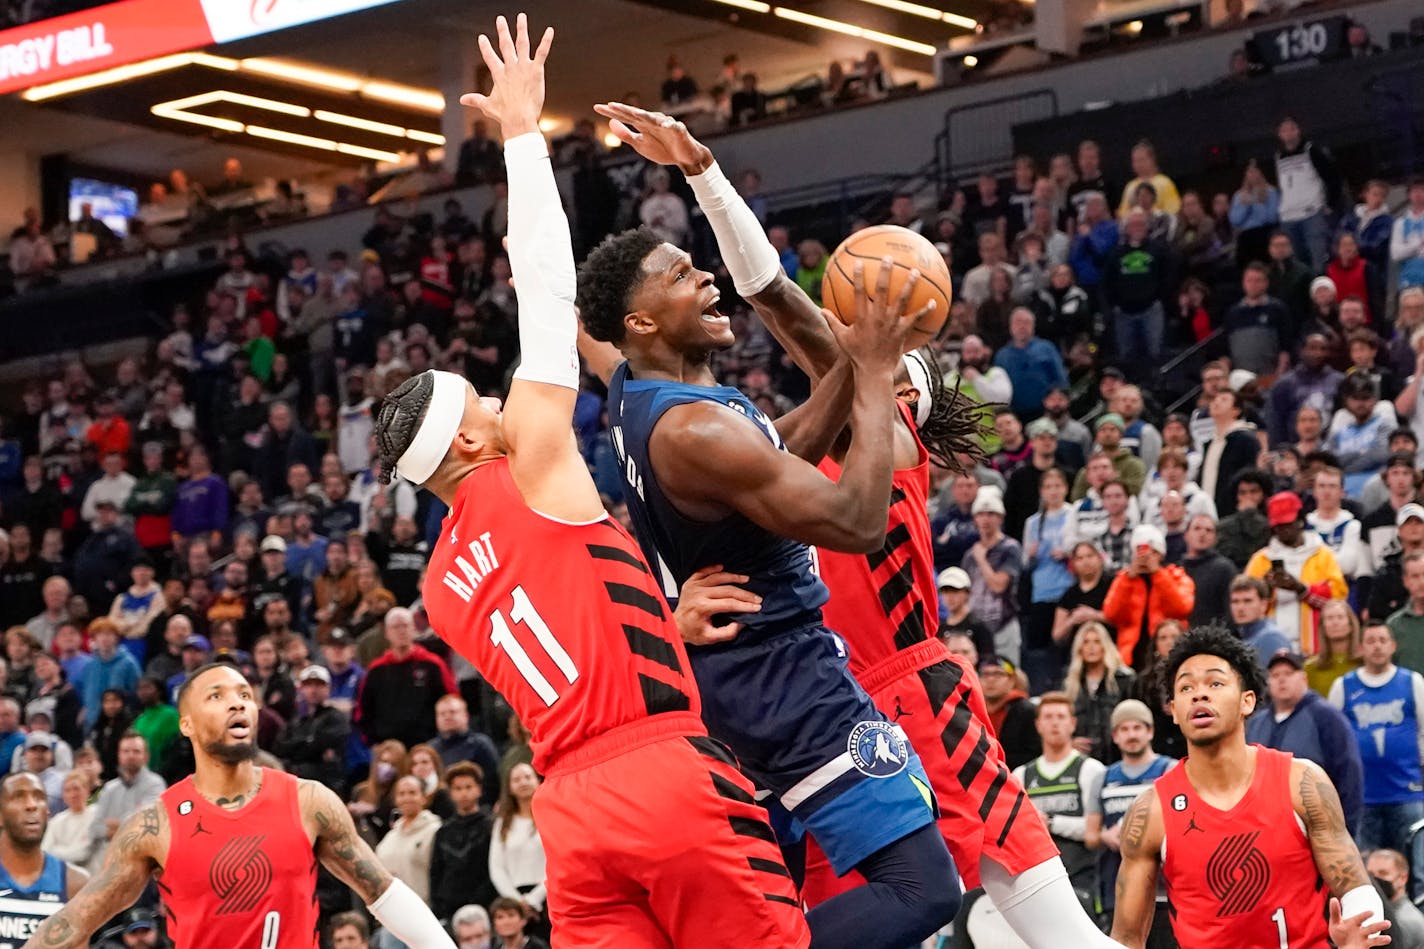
(611, 140)
(429, 138)
(929, 13)
(292, 138)
(1134, 27)
(425, 99)
(850, 29)
(106, 77)
(178, 115)
(258, 102)
(366, 125)
(306, 75)
(372, 153)
(214, 62)
(756, 6)
(971, 61)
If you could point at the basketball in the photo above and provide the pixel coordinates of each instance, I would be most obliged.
(910, 251)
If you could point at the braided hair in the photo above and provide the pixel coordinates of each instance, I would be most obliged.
(956, 426)
(398, 418)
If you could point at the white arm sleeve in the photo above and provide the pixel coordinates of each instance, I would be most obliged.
(541, 257)
(746, 252)
(411, 921)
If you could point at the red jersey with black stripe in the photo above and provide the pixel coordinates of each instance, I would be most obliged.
(1244, 877)
(239, 878)
(565, 620)
(886, 601)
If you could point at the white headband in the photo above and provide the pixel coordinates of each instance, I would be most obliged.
(442, 420)
(920, 379)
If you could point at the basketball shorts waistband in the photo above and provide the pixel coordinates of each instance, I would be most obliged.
(616, 741)
(919, 656)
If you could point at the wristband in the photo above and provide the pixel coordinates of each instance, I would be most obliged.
(1363, 898)
(410, 920)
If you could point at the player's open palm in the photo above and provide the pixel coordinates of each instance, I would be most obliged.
(657, 137)
(707, 593)
(1352, 933)
(517, 96)
(877, 338)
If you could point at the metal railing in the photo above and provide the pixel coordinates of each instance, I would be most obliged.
(979, 136)
(1180, 359)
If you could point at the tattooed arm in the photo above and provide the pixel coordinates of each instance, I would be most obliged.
(1318, 805)
(1137, 877)
(137, 850)
(338, 846)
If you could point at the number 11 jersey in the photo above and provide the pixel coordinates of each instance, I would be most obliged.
(564, 619)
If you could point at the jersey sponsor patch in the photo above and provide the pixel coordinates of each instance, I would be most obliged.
(878, 750)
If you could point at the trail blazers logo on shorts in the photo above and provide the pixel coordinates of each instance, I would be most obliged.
(878, 749)
(240, 874)
(1238, 874)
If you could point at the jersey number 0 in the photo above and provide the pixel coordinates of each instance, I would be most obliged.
(502, 635)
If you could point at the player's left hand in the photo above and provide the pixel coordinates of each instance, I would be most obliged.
(517, 97)
(1352, 933)
(706, 593)
(657, 137)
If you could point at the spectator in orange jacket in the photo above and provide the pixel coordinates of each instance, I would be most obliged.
(1144, 593)
(110, 432)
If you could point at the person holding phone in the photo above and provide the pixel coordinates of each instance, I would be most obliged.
(1301, 571)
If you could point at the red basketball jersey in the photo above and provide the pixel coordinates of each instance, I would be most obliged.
(1245, 877)
(243, 878)
(886, 601)
(565, 620)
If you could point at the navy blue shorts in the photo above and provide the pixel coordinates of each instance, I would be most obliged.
(803, 729)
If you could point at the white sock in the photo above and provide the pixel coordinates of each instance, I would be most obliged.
(1041, 906)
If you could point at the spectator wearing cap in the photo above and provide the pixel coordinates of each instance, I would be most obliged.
(1380, 526)
(1128, 468)
(1123, 782)
(137, 606)
(39, 761)
(1011, 712)
(196, 651)
(1382, 702)
(1300, 569)
(157, 721)
(313, 744)
(955, 614)
(1034, 364)
(994, 564)
(1144, 593)
(275, 582)
(1362, 441)
(1232, 448)
(1302, 723)
(1313, 381)
(150, 503)
(1057, 408)
(1045, 452)
(1250, 606)
(114, 485)
(1407, 622)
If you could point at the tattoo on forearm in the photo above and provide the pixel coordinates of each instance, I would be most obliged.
(1134, 825)
(1336, 856)
(350, 855)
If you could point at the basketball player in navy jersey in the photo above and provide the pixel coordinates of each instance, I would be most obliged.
(711, 482)
(34, 885)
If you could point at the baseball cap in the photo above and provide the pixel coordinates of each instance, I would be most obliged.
(1131, 710)
(953, 578)
(1240, 379)
(140, 918)
(1286, 655)
(1041, 426)
(338, 637)
(314, 673)
(1408, 511)
(1322, 281)
(1109, 418)
(1113, 372)
(273, 543)
(1145, 535)
(988, 501)
(993, 663)
(198, 641)
(39, 740)
(1283, 508)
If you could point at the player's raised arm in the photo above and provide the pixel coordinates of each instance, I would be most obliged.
(791, 316)
(1338, 859)
(133, 855)
(537, 423)
(342, 851)
(1137, 878)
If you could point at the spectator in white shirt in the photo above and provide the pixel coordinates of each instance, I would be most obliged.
(975, 287)
(1337, 527)
(114, 485)
(516, 854)
(69, 835)
(663, 211)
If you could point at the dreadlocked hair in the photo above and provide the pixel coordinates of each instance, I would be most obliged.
(398, 418)
(609, 277)
(956, 426)
(1214, 639)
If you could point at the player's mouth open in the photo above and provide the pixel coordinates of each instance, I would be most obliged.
(709, 312)
(239, 728)
(1202, 715)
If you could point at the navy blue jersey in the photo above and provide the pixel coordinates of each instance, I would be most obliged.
(781, 571)
(23, 908)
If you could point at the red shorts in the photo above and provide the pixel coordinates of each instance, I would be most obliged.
(655, 844)
(935, 697)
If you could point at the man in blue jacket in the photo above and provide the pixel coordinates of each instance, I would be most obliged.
(1033, 365)
(1301, 722)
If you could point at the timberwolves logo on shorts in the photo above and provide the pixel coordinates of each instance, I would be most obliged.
(878, 749)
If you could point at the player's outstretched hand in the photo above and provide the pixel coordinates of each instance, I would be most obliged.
(657, 137)
(517, 96)
(706, 593)
(1352, 933)
(876, 340)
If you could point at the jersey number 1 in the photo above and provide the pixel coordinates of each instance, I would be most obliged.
(503, 637)
(1279, 918)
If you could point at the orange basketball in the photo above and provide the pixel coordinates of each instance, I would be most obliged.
(910, 251)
